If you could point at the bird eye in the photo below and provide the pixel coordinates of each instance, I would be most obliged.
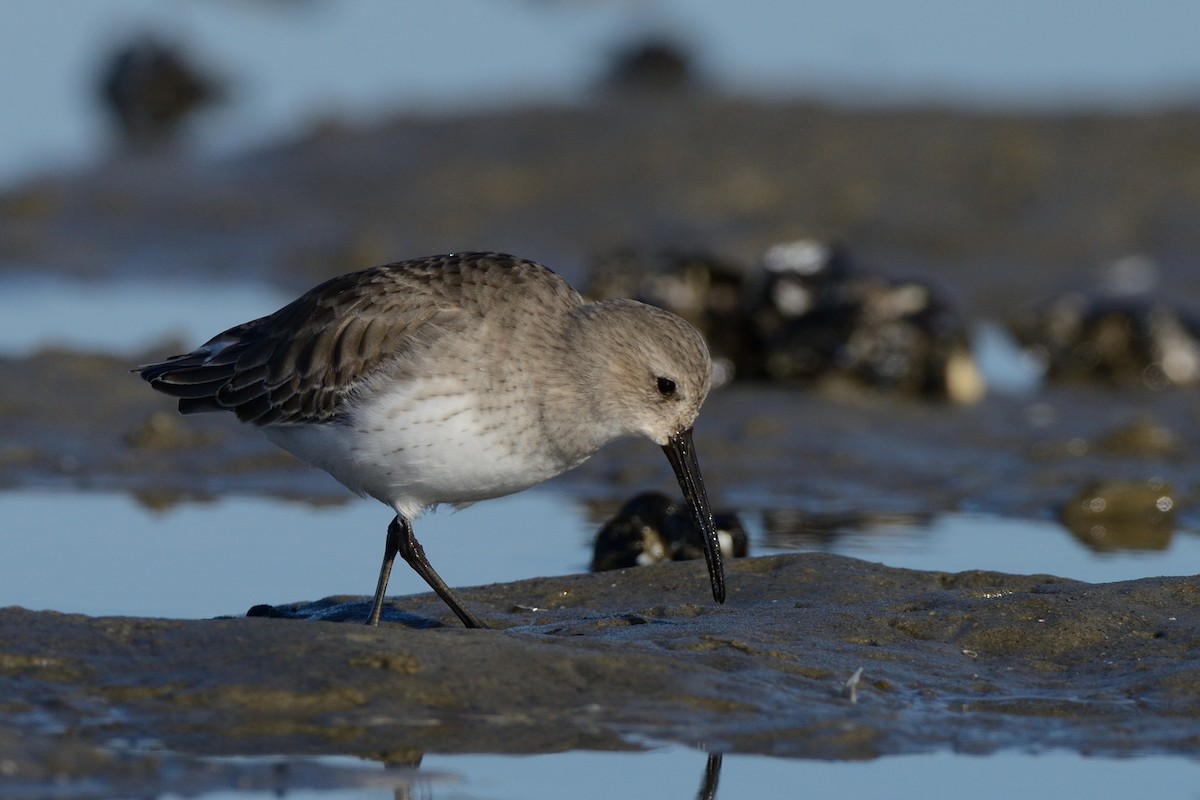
(666, 387)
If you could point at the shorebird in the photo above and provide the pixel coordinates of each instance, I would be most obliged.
(453, 379)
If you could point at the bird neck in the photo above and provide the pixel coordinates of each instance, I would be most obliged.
(592, 364)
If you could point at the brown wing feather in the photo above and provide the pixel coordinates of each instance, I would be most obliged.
(299, 364)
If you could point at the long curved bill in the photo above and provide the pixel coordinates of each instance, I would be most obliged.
(682, 455)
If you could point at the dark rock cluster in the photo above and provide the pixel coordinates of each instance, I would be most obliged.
(1114, 340)
(652, 528)
(151, 88)
(807, 315)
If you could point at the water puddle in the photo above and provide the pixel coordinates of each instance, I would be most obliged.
(962, 541)
(107, 554)
(264, 50)
(680, 772)
(122, 315)
(110, 555)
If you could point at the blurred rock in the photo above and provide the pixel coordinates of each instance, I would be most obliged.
(1142, 437)
(790, 304)
(652, 528)
(1113, 340)
(687, 544)
(635, 536)
(1122, 515)
(150, 88)
(806, 316)
(654, 64)
(817, 318)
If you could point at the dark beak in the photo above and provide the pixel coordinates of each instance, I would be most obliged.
(682, 455)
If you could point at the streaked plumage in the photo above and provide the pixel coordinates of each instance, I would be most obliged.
(453, 379)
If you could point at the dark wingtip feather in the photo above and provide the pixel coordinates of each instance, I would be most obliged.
(189, 378)
(155, 371)
(152, 372)
(199, 405)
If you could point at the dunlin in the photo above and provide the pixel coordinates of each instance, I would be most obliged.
(454, 379)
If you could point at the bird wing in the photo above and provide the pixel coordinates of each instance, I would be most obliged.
(299, 364)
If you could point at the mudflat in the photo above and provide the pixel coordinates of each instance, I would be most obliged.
(1000, 211)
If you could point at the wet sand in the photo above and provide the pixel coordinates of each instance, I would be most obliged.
(84, 421)
(976, 661)
(1000, 211)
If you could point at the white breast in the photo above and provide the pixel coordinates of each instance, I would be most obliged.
(415, 446)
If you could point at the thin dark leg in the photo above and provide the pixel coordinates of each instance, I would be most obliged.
(412, 552)
(712, 774)
(385, 572)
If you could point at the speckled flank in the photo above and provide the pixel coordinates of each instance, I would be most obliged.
(453, 379)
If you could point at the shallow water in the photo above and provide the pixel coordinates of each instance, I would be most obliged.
(198, 560)
(677, 772)
(290, 63)
(121, 316)
(111, 555)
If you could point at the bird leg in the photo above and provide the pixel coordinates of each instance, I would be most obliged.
(401, 540)
(389, 555)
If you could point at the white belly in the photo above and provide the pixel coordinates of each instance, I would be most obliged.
(414, 453)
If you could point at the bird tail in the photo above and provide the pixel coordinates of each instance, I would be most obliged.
(196, 377)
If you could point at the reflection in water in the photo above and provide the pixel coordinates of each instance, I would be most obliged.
(120, 562)
(712, 773)
(403, 765)
(165, 773)
(1116, 536)
(1127, 529)
(657, 773)
(1109, 516)
(403, 762)
(792, 529)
